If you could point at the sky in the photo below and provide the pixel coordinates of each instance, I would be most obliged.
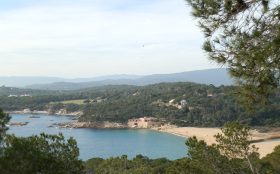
(88, 38)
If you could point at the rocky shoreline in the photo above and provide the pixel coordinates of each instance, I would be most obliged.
(96, 125)
(18, 124)
(75, 114)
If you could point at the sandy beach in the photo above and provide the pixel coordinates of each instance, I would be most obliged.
(207, 134)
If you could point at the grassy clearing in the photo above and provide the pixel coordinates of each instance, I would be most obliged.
(78, 102)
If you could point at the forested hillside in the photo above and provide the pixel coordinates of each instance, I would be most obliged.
(7, 91)
(184, 104)
(205, 105)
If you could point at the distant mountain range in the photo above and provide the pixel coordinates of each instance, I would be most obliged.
(23, 81)
(216, 77)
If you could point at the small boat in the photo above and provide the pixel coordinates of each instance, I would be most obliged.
(34, 116)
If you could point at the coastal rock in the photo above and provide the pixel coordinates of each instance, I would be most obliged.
(19, 124)
(97, 125)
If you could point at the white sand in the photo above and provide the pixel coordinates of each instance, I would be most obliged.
(207, 134)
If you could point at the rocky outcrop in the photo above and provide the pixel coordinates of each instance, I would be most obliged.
(65, 113)
(59, 113)
(19, 124)
(97, 125)
(28, 112)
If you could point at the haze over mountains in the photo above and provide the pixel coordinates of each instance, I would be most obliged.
(216, 77)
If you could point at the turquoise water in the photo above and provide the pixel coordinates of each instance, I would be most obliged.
(106, 143)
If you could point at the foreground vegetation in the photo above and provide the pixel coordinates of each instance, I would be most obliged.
(204, 160)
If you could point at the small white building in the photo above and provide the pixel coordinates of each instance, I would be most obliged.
(184, 102)
(26, 111)
(171, 102)
(25, 95)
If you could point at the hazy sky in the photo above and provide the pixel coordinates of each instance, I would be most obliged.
(86, 38)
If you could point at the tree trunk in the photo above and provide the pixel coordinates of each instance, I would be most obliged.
(251, 166)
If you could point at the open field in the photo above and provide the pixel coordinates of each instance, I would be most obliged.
(78, 102)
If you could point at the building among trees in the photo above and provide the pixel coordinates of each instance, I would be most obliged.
(144, 122)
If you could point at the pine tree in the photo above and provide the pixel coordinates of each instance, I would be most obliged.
(243, 35)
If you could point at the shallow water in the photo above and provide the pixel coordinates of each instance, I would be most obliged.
(106, 143)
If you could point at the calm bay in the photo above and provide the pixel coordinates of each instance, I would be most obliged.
(106, 143)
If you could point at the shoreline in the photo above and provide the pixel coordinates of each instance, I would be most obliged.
(91, 125)
(72, 114)
(265, 142)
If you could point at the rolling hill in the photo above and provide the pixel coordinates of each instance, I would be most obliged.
(216, 77)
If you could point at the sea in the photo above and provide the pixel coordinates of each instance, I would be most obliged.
(105, 143)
